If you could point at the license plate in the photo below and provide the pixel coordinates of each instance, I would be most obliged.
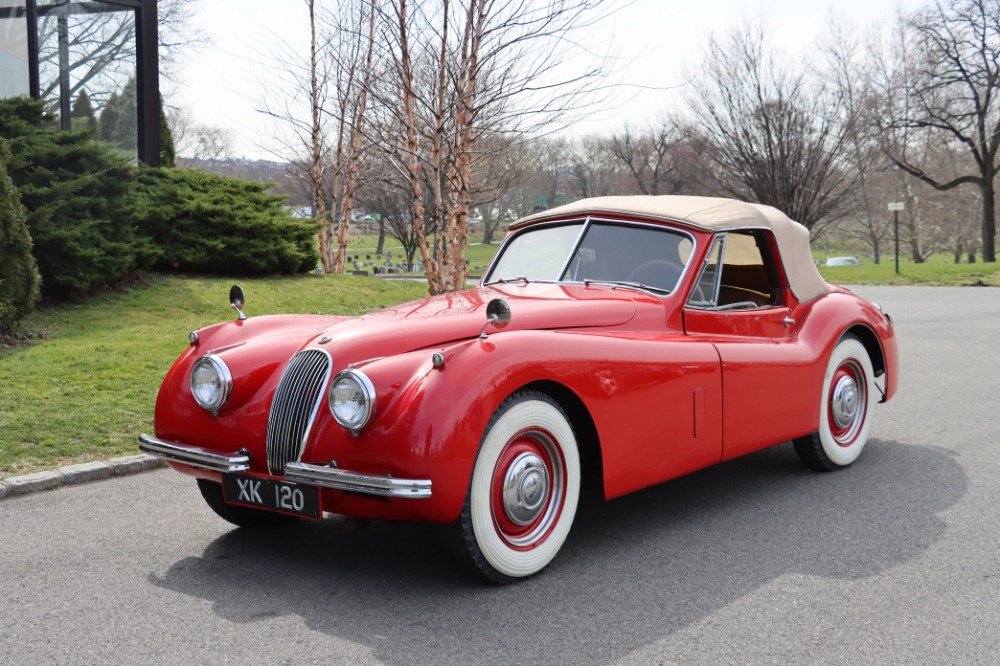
(272, 495)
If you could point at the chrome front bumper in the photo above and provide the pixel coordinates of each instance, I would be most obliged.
(195, 456)
(331, 477)
(295, 472)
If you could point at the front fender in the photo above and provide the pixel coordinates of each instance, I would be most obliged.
(430, 421)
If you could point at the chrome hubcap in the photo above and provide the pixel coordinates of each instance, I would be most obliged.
(845, 402)
(525, 487)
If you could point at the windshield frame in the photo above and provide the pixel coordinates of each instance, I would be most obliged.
(589, 220)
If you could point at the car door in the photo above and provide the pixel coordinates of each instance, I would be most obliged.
(741, 305)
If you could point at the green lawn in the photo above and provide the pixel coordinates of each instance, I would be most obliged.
(364, 245)
(937, 272)
(86, 391)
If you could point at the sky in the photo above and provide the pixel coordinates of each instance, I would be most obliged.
(222, 84)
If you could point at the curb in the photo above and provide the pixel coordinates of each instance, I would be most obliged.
(72, 475)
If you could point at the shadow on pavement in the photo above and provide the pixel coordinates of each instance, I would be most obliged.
(633, 571)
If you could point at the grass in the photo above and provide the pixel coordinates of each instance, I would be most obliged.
(364, 245)
(87, 389)
(936, 272)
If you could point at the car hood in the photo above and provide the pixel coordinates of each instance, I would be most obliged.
(462, 315)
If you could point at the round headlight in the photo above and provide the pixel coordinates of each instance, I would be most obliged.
(351, 399)
(211, 382)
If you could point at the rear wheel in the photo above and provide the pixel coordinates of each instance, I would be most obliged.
(243, 516)
(845, 409)
(524, 490)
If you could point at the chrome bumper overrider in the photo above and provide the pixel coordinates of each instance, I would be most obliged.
(296, 472)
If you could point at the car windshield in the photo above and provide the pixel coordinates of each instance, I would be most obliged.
(641, 256)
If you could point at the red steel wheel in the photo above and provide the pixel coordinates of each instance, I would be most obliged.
(847, 402)
(528, 489)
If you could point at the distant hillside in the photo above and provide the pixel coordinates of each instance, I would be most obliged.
(264, 171)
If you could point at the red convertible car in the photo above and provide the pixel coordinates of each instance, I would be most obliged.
(612, 344)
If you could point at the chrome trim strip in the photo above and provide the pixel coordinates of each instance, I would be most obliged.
(194, 456)
(576, 246)
(339, 479)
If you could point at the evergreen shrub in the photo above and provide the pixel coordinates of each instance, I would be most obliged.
(74, 189)
(204, 223)
(18, 271)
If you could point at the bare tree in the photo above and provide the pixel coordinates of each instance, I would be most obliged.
(949, 90)
(409, 152)
(358, 50)
(851, 68)
(317, 135)
(650, 156)
(179, 34)
(392, 202)
(595, 170)
(770, 135)
(547, 160)
(468, 71)
(497, 170)
(211, 144)
(320, 108)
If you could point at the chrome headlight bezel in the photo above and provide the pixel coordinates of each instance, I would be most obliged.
(223, 377)
(362, 388)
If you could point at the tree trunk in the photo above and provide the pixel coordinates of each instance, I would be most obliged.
(316, 156)
(489, 226)
(989, 217)
(412, 155)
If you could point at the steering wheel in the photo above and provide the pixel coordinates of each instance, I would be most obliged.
(698, 294)
(654, 271)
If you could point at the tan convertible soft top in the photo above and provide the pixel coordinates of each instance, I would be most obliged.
(715, 214)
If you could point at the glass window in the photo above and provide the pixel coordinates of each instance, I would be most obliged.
(737, 274)
(537, 254)
(646, 256)
(87, 68)
(14, 79)
(616, 253)
(706, 289)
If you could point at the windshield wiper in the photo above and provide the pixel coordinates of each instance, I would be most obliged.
(519, 278)
(628, 285)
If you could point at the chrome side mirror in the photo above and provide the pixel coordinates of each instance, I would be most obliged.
(236, 300)
(497, 314)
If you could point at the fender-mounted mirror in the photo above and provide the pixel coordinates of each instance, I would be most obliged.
(236, 300)
(497, 314)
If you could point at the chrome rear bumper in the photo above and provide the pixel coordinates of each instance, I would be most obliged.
(295, 472)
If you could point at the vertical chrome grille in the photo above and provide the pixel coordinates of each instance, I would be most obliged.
(296, 401)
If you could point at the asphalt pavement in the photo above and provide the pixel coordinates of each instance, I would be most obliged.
(892, 561)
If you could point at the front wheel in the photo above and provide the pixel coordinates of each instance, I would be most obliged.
(844, 410)
(242, 516)
(524, 490)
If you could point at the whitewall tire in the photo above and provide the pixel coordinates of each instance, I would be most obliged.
(524, 490)
(844, 411)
